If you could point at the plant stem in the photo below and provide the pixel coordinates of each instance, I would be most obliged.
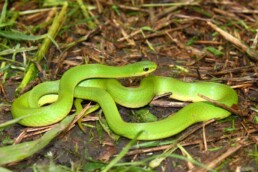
(52, 32)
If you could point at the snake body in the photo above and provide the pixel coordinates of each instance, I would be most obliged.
(46, 115)
(108, 92)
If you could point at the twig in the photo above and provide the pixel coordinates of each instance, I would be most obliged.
(204, 137)
(77, 117)
(124, 6)
(219, 159)
(164, 103)
(221, 105)
(252, 54)
(29, 132)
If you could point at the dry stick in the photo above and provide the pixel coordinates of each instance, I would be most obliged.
(2, 91)
(20, 137)
(124, 6)
(252, 54)
(237, 69)
(187, 155)
(77, 117)
(162, 95)
(165, 103)
(244, 11)
(219, 159)
(221, 105)
(29, 132)
(155, 34)
(204, 137)
(38, 132)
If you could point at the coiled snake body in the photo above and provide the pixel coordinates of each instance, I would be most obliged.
(81, 82)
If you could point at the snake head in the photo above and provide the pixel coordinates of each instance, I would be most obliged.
(141, 68)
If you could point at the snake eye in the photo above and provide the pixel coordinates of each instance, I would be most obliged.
(145, 69)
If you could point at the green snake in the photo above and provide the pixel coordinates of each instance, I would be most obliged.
(96, 82)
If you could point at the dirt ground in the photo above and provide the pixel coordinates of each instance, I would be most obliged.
(189, 40)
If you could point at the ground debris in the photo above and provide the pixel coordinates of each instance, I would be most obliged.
(189, 40)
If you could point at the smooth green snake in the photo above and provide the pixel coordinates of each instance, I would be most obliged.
(99, 83)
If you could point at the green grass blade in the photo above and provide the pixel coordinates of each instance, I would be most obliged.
(4, 169)
(13, 121)
(122, 153)
(84, 8)
(16, 50)
(6, 24)
(3, 13)
(26, 149)
(16, 35)
(214, 51)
